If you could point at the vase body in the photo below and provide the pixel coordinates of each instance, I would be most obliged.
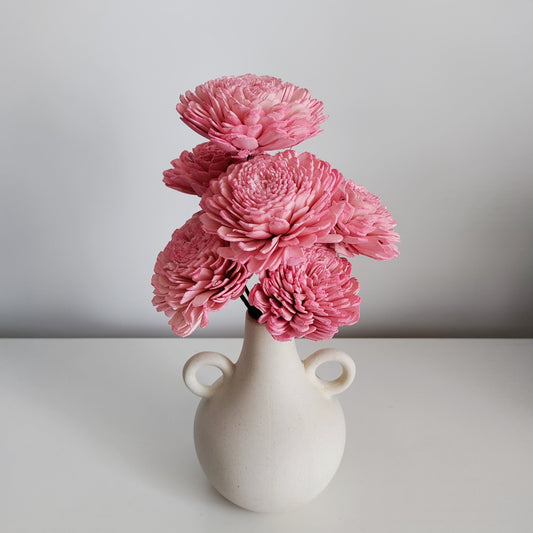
(269, 434)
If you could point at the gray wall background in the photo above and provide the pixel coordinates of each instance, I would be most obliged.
(430, 106)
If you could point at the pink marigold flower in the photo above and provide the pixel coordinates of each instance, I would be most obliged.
(365, 224)
(272, 207)
(191, 279)
(249, 113)
(312, 299)
(192, 171)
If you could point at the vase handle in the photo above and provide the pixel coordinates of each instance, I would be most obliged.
(327, 355)
(206, 359)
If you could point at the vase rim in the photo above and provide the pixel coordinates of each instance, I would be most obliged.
(251, 324)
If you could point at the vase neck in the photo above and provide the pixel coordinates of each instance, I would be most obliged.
(260, 348)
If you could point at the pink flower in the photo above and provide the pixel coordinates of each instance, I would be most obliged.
(191, 279)
(272, 207)
(312, 299)
(365, 225)
(192, 171)
(248, 114)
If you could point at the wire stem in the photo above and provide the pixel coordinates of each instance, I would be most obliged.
(252, 310)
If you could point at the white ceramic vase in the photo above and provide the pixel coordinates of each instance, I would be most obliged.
(269, 434)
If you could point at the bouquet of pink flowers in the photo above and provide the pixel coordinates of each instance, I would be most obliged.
(286, 217)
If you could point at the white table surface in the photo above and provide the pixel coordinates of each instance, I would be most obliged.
(96, 436)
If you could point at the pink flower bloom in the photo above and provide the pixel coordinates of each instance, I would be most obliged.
(365, 225)
(191, 279)
(272, 207)
(312, 299)
(192, 171)
(248, 114)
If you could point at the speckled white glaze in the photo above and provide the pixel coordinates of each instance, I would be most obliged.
(269, 434)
